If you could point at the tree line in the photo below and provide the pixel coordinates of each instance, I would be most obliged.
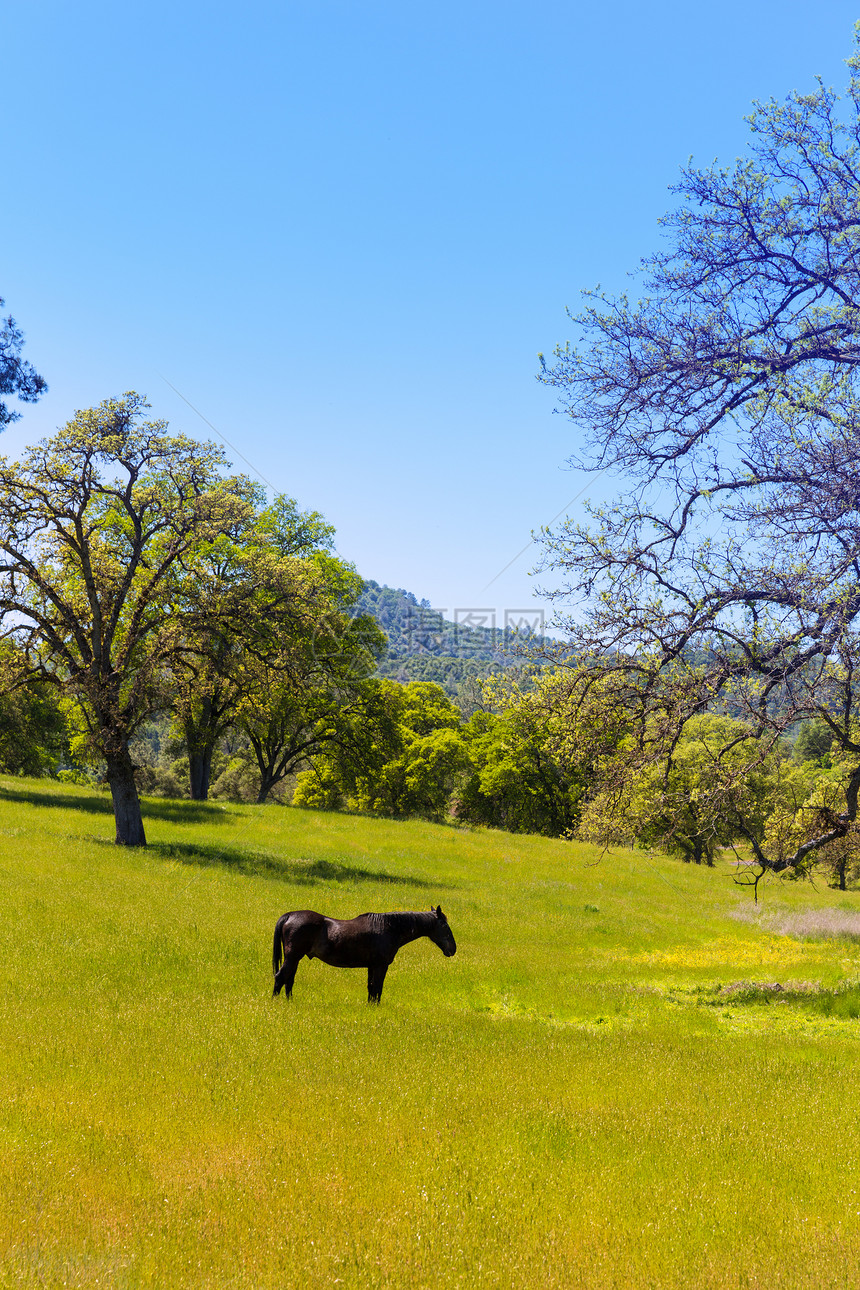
(538, 753)
(537, 757)
(715, 620)
(137, 576)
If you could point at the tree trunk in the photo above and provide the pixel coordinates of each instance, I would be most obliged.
(200, 738)
(126, 803)
(200, 772)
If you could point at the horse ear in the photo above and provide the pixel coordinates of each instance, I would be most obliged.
(439, 913)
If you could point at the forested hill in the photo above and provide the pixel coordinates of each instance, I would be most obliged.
(423, 645)
(413, 627)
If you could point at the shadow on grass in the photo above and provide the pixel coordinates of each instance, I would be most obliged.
(303, 872)
(100, 804)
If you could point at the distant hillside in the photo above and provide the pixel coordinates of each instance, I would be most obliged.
(425, 646)
(413, 627)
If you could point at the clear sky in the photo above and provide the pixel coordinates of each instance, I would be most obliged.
(344, 230)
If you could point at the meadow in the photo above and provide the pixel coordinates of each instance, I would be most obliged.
(629, 1075)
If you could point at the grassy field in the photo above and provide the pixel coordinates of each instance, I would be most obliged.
(604, 1088)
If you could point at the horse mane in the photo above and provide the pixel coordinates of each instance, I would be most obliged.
(411, 921)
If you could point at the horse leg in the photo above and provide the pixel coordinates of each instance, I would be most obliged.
(375, 981)
(286, 975)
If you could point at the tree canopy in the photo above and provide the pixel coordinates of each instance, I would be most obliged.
(17, 376)
(271, 633)
(102, 528)
(727, 576)
(397, 751)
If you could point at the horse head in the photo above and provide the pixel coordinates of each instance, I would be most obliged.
(440, 933)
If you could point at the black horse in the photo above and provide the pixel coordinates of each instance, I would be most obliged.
(370, 941)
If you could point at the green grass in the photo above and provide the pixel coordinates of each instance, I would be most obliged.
(603, 1088)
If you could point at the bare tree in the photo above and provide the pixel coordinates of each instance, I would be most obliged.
(727, 575)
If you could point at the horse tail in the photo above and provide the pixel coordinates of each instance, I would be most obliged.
(278, 947)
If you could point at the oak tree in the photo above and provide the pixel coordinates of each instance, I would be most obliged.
(261, 588)
(101, 531)
(701, 800)
(397, 751)
(296, 700)
(726, 404)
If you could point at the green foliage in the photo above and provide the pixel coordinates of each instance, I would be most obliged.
(441, 669)
(813, 743)
(702, 798)
(293, 701)
(419, 782)
(400, 753)
(160, 760)
(517, 764)
(292, 532)
(320, 788)
(270, 649)
(236, 778)
(32, 729)
(516, 784)
(425, 708)
(536, 753)
(17, 376)
(808, 803)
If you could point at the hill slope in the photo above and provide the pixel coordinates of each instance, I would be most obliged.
(584, 1095)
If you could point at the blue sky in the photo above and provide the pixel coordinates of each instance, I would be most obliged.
(343, 231)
